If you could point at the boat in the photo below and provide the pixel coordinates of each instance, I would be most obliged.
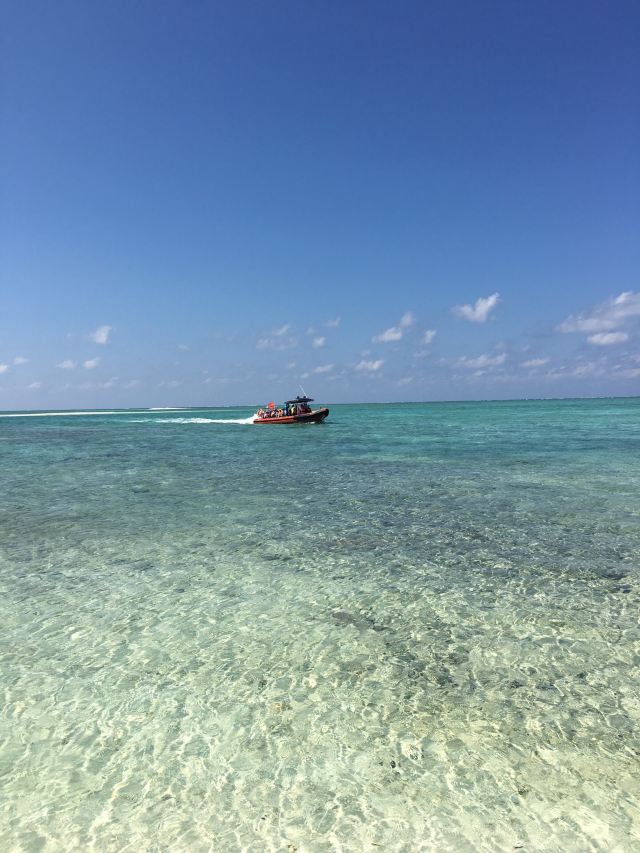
(295, 411)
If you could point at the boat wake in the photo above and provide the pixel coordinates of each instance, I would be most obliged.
(236, 421)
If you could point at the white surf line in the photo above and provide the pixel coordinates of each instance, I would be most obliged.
(77, 414)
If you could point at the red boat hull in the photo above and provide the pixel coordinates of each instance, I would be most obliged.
(315, 417)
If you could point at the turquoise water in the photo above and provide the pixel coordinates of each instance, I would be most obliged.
(414, 627)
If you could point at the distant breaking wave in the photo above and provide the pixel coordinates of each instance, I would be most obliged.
(147, 420)
(67, 414)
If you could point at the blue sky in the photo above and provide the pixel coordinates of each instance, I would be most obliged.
(209, 203)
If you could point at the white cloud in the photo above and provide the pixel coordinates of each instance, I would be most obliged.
(392, 334)
(318, 342)
(67, 364)
(323, 368)
(607, 339)
(132, 383)
(482, 361)
(183, 347)
(605, 317)
(480, 310)
(90, 363)
(4, 368)
(34, 386)
(429, 335)
(101, 335)
(370, 366)
(395, 333)
(407, 380)
(333, 324)
(278, 333)
(534, 362)
(20, 359)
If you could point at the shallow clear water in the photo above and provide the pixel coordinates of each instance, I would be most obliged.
(412, 627)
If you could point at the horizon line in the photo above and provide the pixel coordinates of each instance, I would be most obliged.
(164, 409)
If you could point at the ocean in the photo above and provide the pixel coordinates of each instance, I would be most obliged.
(413, 627)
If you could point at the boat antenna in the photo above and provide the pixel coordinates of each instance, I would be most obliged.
(304, 393)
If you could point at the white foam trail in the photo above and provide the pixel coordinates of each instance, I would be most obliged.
(199, 420)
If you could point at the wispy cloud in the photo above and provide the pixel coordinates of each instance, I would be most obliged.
(34, 386)
(607, 339)
(67, 364)
(333, 324)
(428, 337)
(322, 368)
(605, 317)
(407, 320)
(318, 342)
(4, 368)
(183, 347)
(482, 361)
(90, 363)
(370, 366)
(277, 344)
(588, 368)
(101, 334)
(583, 369)
(132, 383)
(534, 362)
(480, 310)
(20, 359)
(277, 340)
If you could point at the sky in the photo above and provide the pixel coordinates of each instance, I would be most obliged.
(215, 203)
